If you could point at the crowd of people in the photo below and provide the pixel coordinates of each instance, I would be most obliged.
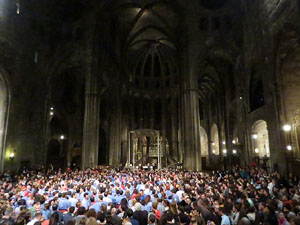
(168, 196)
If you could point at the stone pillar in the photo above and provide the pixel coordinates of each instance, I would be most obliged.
(115, 135)
(140, 113)
(175, 152)
(191, 132)
(90, 146)
(152, 114)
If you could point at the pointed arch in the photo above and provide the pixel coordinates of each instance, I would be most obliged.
(215, 139)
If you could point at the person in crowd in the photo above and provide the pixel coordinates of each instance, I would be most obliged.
(241, 196)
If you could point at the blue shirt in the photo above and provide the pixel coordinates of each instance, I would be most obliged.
(225, 220)
(64, 204)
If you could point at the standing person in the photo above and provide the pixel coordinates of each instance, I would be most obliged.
(140, 215)
(86, 201)
(270, 216)
(235, 213)
(225, 219)
(7, 219)
(69, 216)
(282, 220)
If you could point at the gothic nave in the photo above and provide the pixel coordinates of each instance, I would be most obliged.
(203, 84)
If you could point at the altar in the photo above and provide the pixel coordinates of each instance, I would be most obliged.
(144, 148)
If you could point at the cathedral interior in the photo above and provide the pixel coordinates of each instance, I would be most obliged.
(203, 84)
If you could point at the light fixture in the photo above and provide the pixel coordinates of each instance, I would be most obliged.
(241, 97)
(11, 156)
(234, 151)
(255, 136)
(233, 141)
(287, 127)
(51, 113)
(224, 151)
(213, 151)
(62, 137)
(213, 144)
(51, 108)
(289, 147)
(224, 142)
(256, 150)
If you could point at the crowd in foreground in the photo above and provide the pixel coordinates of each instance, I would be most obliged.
(122, 197)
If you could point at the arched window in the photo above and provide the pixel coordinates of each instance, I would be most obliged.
(215, 140)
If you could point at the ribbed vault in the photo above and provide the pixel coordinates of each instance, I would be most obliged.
(148, 43)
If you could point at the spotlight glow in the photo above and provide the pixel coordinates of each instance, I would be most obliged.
(234, 151)
(255, 136)
(224, 151)
(289, 147)
(287, 127)
(256, 150)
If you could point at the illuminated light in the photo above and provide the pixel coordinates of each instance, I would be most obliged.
(256, 150)
(51, 108)
(224, 142)
(62, 137)
(213, 143)
(224, 151)
(241, 97)
(11, 155)
(255, 136)
(233, 142)
(289, 147)
(51, 113)
(234, 151)
(213, 151)
(287, 127)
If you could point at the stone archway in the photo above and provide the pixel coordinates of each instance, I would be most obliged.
(204, 148)
(4, 109)
(215, 140)
(260, 139)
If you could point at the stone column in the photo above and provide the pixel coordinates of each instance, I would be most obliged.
(115, 135)
(191, 132)
(163, 126)
(90, 145)
(175, 152)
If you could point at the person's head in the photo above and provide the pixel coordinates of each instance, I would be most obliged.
(91, 213)
(54, 207)
(138, 206)
(281, 215)
(38, 216)
(173, 208)
(129, 212)
(101, 217)
(151, 218)
(113, 211)
(71, 209)
(9, 212)
(54, 219)
(91, 221)
(86, 196)
(295, 220)
(169, 218)
(103, 208)
(81, 211)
